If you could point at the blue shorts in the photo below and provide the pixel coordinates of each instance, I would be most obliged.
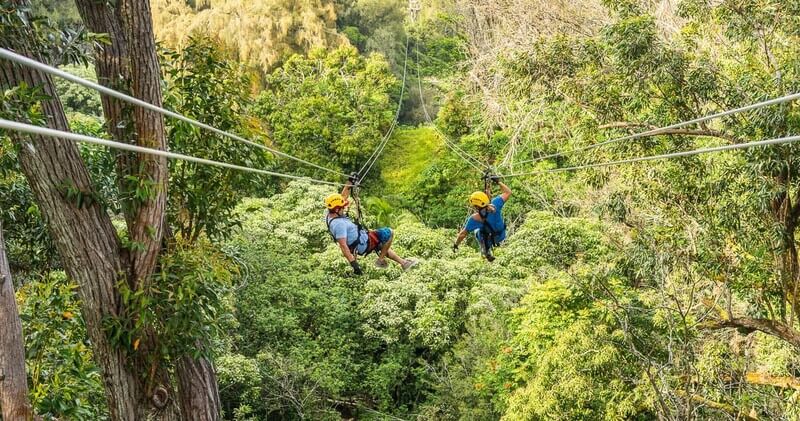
(384, 234)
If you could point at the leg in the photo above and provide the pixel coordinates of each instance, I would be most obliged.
(387, 251)
(392, 255)
(386, 236)
(386, 245)
(485, 245)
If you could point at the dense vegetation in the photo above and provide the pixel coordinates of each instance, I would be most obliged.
(657, 290)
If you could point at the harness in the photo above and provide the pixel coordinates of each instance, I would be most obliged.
(354, 245)
(488, 233)
(373, 243)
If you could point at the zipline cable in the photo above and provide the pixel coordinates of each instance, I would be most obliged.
(43, 131)
(477, 164)
(25, 61)
(662, 130)
(776, 141)
(381, 146)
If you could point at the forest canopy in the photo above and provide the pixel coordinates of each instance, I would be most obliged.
(146, 288)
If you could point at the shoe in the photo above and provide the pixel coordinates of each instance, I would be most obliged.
(489, 258)
(381, 264)
(410, 263)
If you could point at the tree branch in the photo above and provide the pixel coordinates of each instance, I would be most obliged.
(672, 132)
(765, 379)
(724, 407)
(749, 325)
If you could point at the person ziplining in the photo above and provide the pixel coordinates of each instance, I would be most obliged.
(355, 240)
(486, 220)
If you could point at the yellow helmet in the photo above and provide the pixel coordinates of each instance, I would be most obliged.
(479, 199)
(334, 201)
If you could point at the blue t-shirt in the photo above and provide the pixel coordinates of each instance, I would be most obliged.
(494, 219)
(343, 227)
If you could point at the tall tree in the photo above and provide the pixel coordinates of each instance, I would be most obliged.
(129, 62)
(84, 236)
(13, 379)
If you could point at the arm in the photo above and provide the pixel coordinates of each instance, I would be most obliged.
(346, 190)
(349, 256)
(506, 194)
(346, 250)
(461, 236)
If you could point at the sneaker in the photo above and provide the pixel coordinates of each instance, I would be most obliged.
(490, 258)
(410, 263)
(381, 264)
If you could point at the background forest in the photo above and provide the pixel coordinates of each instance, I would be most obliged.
(658, 290)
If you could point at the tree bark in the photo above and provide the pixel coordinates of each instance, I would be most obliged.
(14, 401)
(84, 237)
(148, 221)
(198, 390)
(113, 71)
(765, 379)
(130, 63)
(671, 132)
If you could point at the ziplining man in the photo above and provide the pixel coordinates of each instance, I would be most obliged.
(486, 220)
(353, 239)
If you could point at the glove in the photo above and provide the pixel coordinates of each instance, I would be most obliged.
(353, 179)
(455, 247)
(356, 268)
(495, 179)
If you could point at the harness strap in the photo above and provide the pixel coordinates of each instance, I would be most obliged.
(352, 246)
(490, 232)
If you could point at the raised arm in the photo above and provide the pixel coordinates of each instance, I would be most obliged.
(346, 190)
(506, 192)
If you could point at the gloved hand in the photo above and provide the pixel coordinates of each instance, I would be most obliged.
(353, 179)
(455, 247)
(356, 268)
(495, 179)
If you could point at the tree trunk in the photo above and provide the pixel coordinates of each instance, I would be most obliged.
(13, 378)
(148, 221)
(198, 390)
(130, 63)
(112, 69)
(83, 235)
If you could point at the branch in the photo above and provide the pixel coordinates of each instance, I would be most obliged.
(750, 325)
(724, 407)
(673, 132)
(625, 125)
(765, 379)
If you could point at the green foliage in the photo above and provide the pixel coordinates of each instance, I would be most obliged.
(76, 98)
(63, 12)
(99, 160)
(185, 305)
(375, 26)
(455, 118)
(264, 34)
(63, 379)
(203, 84)
(330, 107)
(29, 247)
(55, 44)
(390, 340)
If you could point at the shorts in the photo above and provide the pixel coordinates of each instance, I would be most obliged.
(377, 238)
(384, 234)
(501, 235)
